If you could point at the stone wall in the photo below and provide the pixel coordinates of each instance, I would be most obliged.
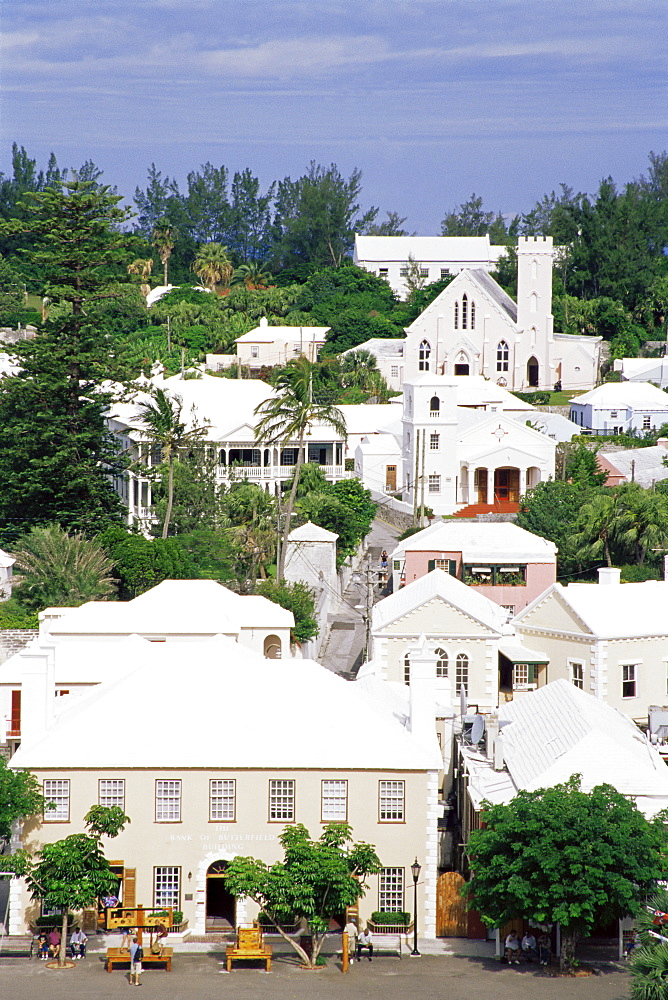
(14, 639)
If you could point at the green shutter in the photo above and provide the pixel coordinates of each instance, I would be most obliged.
(532, 673)
(431, 565)
(452, 568)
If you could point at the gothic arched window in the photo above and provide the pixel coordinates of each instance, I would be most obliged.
(456, 315)
(465, 305)
(423, 356)
(502, 356)
(407, 669)
(441, 663)
(472, 314)
(462, 674)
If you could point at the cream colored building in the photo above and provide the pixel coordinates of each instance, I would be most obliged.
(608, 639)
(266, 346)
(212, 749)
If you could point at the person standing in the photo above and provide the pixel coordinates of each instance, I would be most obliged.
(136, 956)
(351, 930)
(544, 948)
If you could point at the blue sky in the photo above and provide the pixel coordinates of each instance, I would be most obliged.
(431, 99)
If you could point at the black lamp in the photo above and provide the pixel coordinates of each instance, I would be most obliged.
(416, 868)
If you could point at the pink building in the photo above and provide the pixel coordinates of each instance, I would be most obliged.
(503, 562)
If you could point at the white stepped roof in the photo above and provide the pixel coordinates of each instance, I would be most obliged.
(175, 607)
(310, 532)
(614, 611)
(481, 541)
(229, 708)
(77, 661)
(622, 395)
(458, 249)
(558, 731)
(438, 584)
(266, 334)
(365, 418)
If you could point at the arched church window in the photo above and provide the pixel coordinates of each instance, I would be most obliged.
(456, 315)
(423, 356)
(533, 302)
(472, 315)
(407, 669)
(434, 405)
(534, 269)
(502, 356)
(465, 304)
(441, 662)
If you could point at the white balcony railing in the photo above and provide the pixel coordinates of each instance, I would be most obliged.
(271, 472)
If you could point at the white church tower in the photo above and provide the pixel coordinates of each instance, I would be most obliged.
(430, 429)
(534, 313)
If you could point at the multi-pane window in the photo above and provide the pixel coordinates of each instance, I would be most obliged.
(502, 356)
(434, 406)
(168, 800)
(629, 680)
(424, 354)
(424, 272)
(222, 799)
(445, 271)
(166, 886)
(391, 890)
(441, 663)
(111, 792)
(646, 423)
(434, 442)
(334, 801)
(281, 800)
(465, 304)
(462, 673)
(255, 352)
(383, 272)
(456, 315)
(473, 315)
(394, 371)
(57, 795)
(407, 669)
(577, 674)
(391, 801)
(434, 484)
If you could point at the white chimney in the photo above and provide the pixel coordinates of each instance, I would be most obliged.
(491, 733)
(38, 691)
(423, 692)
(609, 576)
(499, 763)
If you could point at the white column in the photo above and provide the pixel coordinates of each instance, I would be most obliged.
(430, 869)
(490, 485)
(523, 482)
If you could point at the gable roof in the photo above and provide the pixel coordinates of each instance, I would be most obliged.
(231, 708)
(441, 585)
(644, 466)
(613, 611)
(310, 532)
(624, 395)
(481, 541)
(457, 249)
(488, 287)
(265, 334)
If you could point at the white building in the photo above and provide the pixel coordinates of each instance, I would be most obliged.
(609, 639)
(437, 256)
(474, 328)
(266, 346)
(212, 749)
(93, 643)
(643, 370)
(620, 407)
(226, 409)
(6, 573)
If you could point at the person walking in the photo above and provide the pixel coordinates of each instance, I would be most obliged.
(136, 956)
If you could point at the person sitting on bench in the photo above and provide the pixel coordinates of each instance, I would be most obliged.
(365, 940)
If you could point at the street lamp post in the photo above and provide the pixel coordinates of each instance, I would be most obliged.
(415, 869)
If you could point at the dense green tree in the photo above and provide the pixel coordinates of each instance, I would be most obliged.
(316, 880)
(141, 563)
(55, 452)
(470, 219)
(287, 418)
(298, 598)
(57, 569)
(391, 226)
(582, 467)
(213, 266)
(163, 239)
(601, 524)
(550, 510)
(317, 216)
(20, 797)
(561, 855)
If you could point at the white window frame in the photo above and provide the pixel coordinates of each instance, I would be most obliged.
(56, 790)
(167, 887)
(111, 792)
(394, 371)
(407, 668)
(502, 356)
(391, 889)
(462, 664)
(334, 800)
(647, 422)
(630, 676)
(281, 800)
(424, 354)
(434, 484)
(391, 800)
(576, 672)
(442, 662)
(434, 442)
(168, 800)
(222, 800)
(255, 352)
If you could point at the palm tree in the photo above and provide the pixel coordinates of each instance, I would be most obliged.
(357, 367)
(288, 416)
(648, 517)
(252, 275)
(164, 238)
(213, 266)
(601, 522)
(144, 268)
(166, 429)
(60, 569)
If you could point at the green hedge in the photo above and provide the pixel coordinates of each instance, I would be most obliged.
(400, 918)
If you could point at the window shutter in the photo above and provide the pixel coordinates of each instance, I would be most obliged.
(431, 565)
(130, 887)
(452, 567)
(532, 673)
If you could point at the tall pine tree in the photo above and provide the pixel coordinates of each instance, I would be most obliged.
(55, 452)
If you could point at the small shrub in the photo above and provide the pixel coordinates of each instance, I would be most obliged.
(398, 919)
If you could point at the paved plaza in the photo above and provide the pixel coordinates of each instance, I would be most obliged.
(198, 976)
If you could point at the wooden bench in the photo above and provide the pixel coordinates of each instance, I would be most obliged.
(249, 947)
(18, 944)
(121, 956)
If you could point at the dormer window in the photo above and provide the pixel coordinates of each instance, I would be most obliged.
(424, 354)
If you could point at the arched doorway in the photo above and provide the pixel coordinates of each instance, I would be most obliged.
(532, 372)
(221, 905)
(462, 364)
(507, 485)
(272, 647)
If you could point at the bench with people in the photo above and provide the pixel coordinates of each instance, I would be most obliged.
(527, 948)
